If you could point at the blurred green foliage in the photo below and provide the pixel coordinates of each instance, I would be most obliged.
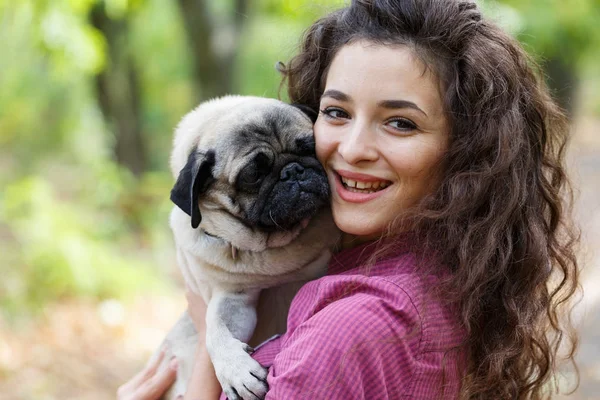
(66, 248)
(550, 28)
(73, 222)
(564, 37)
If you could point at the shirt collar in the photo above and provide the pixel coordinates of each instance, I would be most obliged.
(356, 256)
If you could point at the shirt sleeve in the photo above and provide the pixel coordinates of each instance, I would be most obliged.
(361, 346)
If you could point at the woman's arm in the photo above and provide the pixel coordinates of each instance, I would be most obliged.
(203, 384)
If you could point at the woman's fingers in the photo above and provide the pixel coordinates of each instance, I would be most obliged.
(154, 387)
(148, 371)
(153, 364)
(150, 383)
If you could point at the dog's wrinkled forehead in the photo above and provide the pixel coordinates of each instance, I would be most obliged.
(270, 129)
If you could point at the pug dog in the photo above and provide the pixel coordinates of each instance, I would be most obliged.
(251, 212)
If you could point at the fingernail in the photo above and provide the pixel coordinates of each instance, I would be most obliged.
(173, 363)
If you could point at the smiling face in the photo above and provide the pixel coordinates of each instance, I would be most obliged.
(380, 135)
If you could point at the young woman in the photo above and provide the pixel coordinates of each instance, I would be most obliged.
(444, 153)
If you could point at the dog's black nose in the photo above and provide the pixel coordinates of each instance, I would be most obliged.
(292, 171)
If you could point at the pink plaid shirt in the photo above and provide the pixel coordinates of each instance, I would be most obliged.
(374, 332)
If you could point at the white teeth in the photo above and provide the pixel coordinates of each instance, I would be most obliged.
(351, 189)
(364, 187)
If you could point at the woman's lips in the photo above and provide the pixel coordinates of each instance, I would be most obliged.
(353, 196)
(358, 176)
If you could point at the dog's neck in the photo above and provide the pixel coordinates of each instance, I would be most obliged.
(234, 250)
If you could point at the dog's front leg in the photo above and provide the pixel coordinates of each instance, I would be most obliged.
(230, 321)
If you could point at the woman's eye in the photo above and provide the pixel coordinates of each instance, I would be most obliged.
(402, 124)
(334, 112)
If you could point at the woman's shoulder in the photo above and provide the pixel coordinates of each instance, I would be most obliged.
(362, 331)
(353, 293)
(391, 291)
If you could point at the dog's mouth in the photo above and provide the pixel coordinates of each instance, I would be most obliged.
(292, 204)
(289, 197)
(282, 238)
(287, 217)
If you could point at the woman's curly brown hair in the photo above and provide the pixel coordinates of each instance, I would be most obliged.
(501, 215)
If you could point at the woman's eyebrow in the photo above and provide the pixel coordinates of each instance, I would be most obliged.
(336, 94)
(390, 104)
(393, 104)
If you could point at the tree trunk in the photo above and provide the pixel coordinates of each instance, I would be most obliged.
(118, 92)
(213, 48)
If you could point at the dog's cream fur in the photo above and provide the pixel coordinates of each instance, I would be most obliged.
(230, 267)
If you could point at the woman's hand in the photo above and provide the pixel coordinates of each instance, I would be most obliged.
(151, 382)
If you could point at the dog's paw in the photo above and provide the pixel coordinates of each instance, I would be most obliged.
(241, 377)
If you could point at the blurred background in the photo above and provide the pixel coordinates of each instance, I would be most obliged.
(90, 91)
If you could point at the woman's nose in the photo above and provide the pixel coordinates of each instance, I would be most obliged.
(358, 144)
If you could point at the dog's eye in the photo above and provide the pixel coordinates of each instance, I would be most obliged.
(253, 174)
(250, 176)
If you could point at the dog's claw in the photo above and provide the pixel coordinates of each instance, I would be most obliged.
(253, 394)
(249, 349)
(264, 380)
(232, 394)
(244, 377)
(245, 393)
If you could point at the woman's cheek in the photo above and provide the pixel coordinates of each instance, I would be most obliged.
(417, 159)
(322, 145)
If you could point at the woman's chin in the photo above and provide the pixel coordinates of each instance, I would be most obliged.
(357, 230)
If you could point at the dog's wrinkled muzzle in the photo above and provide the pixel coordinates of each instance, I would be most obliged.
(300, 192)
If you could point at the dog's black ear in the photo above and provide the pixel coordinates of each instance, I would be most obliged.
(193, 180)
(312, 114)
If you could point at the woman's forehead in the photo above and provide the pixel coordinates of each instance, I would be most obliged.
(366, 70)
